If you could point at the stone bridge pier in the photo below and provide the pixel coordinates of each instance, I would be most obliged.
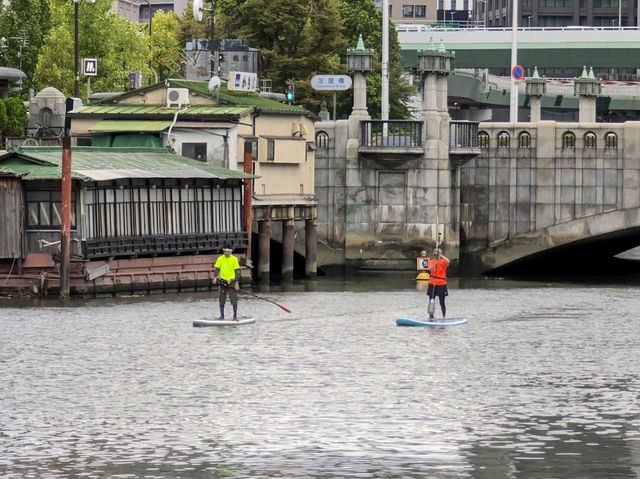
(566, 191)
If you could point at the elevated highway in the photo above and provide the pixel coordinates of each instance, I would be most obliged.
(557, 47)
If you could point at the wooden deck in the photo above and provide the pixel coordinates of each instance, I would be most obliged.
(115, 277)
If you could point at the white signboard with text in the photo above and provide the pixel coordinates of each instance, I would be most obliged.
(242, 81)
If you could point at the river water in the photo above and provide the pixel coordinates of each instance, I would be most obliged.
(543, 382)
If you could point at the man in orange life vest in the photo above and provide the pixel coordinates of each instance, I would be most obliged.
(437, 282)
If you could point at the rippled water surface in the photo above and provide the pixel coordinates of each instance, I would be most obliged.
(543, 382)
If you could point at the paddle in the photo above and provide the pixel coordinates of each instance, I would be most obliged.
(265, 299)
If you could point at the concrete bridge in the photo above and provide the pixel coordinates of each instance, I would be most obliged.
(498, 196)
(568, 193)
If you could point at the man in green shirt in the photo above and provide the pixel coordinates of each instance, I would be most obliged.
(228, 270)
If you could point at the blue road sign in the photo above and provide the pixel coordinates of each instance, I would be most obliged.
(90, 67)
(517, 72)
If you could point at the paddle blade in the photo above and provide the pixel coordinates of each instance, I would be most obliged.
(283, 308)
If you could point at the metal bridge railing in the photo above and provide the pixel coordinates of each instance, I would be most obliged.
(391, 134)
(463, 135)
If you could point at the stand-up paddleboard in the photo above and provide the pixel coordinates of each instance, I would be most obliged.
(223, 322)
(430, 322)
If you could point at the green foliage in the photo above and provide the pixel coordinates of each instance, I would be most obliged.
(24, 25)
(3, 117)
(300, 38)
(361, 17)
(118, 45)
(16, 117)
(189, 28)
(296, 38)
(165, 46)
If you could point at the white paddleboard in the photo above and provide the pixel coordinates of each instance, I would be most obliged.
(223, 322)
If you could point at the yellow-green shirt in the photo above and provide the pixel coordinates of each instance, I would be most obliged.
(227, 267)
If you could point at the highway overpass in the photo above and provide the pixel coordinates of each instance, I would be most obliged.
(556, 47)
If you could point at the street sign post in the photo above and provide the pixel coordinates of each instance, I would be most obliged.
(89, 69)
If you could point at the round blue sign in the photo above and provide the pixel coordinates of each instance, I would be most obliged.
(517, 72)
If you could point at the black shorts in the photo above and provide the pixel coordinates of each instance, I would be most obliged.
(439, 290)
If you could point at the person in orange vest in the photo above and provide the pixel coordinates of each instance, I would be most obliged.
(437, 282)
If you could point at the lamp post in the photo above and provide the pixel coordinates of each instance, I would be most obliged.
(76, 61)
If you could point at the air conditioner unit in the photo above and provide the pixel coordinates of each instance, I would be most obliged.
(177, 97)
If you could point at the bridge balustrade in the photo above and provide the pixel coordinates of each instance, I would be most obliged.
(463, 135)
(391, 134)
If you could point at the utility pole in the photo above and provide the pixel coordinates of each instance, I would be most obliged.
(513, 109)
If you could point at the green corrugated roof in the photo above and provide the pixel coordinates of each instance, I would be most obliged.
(123, 109)
(131, 125)
(230, 103)
(238, 98)
(92, 163)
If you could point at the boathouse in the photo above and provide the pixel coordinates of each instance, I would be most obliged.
(239, 130)
(141, 219)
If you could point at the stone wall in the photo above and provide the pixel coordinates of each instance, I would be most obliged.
(542, 185)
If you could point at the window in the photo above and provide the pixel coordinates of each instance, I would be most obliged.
(590, 140)
(568, 140)
(197, 151)
(83, 141)
(524, 140)
(440, 4)
(44, 210)
(421, 11)
(504, 141)
(611, 140)
(322, 140)
(254, 150)
(407, 11)
(271, 150)
(483, 139)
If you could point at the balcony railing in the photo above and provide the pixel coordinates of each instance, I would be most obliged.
(391, 134)
(463, 135)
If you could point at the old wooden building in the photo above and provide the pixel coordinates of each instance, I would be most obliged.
(142, 219)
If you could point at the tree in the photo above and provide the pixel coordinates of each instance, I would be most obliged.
(23, 25)
(361, 17)
(165, 46)
(296, 38)
(16, 117)
(3, 119)
(117, 44)
(189, 28)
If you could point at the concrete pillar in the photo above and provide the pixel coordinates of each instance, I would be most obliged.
(359, 95)
(536, 108)
(311, 248)
(287, 249)
(588, 88)
(587, 109)
(264, 246)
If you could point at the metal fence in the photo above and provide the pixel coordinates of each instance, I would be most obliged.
(463, 135)
(391, 134)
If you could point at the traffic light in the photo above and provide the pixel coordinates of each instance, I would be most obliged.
(220, 57)
(289, 92)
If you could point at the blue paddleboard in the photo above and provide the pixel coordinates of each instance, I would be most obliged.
(430, 322)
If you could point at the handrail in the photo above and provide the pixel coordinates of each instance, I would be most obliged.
(463, 135)
(391, 134)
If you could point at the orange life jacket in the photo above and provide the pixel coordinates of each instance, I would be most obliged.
(438, 271)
